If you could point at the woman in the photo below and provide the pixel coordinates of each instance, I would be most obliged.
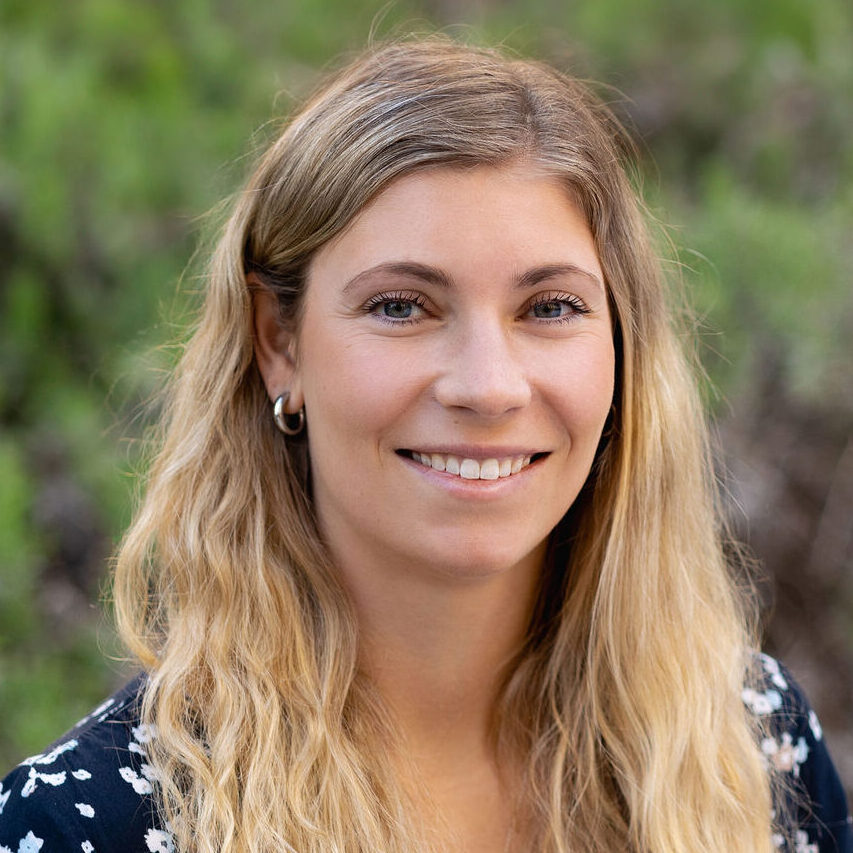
(430, 557)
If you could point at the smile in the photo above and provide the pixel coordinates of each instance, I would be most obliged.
(472, 469)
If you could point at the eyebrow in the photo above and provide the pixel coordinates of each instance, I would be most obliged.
(439, 278)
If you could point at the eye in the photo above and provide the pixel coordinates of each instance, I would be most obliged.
(397, 308)
(559, 307)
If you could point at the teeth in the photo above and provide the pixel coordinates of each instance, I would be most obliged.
(471, 469)
(437, 462)
(490, 469)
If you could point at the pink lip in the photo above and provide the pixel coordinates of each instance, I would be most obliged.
(472, 489)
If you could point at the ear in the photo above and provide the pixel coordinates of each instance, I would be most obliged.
(275, 346)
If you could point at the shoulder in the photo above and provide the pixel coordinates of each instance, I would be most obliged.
(89, 791)
(792, 743)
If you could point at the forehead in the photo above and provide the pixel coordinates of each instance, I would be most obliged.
(484, 220)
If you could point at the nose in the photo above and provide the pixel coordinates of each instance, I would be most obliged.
(484, 372)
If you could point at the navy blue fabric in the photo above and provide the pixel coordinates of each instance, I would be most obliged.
(815, 817)
(93, 790)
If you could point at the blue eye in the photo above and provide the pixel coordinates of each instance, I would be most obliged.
(396, 308)
(559, 307)
(550, 310)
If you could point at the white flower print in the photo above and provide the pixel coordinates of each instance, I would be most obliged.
(814, 725)
(144, 733)
(47, 778)
(87, 847)
(3, 798)
(51, 756)
(140, 785)
(101, 712)
(786, 756)
(85, 809)
(159, 841)
(803, 844)
(30, 844)
(81, 775)
(150, 773)
(771, 667)
(762, 703)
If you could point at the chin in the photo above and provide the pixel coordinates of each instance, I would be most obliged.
(480, 560)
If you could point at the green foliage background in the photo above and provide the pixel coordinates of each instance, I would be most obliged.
(122, 122)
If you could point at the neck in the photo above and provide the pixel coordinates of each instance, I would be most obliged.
(437, 647)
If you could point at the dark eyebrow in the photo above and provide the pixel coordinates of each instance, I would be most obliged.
(407, 269)
(436, 276)
(539, 274)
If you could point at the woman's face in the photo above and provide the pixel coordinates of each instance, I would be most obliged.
(456, 363)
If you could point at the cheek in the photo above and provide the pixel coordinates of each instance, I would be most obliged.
(352, 390)
(582, 390)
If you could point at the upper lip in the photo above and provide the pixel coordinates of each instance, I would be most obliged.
(473, 451)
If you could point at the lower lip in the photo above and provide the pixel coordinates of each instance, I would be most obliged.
(474, 489)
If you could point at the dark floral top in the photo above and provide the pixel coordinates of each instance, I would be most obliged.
(92, 790)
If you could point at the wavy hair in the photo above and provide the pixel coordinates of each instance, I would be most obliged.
(624, 703)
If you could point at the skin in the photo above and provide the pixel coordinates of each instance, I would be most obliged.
(463, 312)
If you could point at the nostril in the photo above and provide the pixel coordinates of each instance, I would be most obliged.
(478, 394)
(483, 373)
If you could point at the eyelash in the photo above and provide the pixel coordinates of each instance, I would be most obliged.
(578, 306)
(410, 296)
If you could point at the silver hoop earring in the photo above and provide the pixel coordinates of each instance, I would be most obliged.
(281, 417)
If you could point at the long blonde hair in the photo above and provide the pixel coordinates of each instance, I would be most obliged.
(625, 700)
